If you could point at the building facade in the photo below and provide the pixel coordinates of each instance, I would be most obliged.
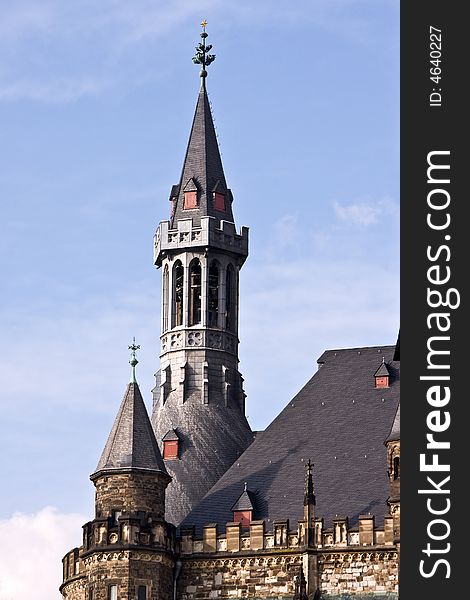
(190, 505)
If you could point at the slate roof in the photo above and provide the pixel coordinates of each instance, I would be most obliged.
(212, 436)
(131, 443)
(340, 421)
(203, 165)
(395, 431)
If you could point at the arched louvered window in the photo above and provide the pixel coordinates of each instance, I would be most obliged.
(230, 298)
(178, 286)
(213, 295)
(194, 292)
(166, 279)
(396, 467)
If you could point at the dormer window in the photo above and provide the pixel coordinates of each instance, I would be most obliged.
(243, 508)
(382, 376)
(242, 516)
(171, 445)
(190, 200)
(190, 195)
(381, 382)
(218, 196)
(219, 201)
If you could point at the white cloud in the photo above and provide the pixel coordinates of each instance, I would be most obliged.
(285, 231)
(31, 549)
(365, 213)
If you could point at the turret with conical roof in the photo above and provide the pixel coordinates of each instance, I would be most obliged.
(128, 549)
(199, 393)
(131, 472)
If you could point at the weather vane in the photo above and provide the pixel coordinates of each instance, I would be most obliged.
(202, 57)
(133, 360)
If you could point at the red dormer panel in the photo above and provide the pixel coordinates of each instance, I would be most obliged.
(170, 449)
(190, 200)
(382, 382)
(219, 201)
(242, 516)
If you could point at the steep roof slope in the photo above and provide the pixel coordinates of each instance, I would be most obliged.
(202, 168)
(131, 442)
(340, 421)
(212, 437)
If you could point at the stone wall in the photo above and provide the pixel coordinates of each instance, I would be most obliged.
(127, 569)
(346, 573)
(255, 563)
(131, 493)
(251, 576)
(338, 575)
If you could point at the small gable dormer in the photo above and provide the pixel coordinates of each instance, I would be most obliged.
(382, 376)
(218, 195)
(190, 195)
(171, 445)
(243, 508)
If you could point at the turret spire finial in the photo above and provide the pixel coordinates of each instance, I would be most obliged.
(309, 495)
(202, 57)
(133, 360)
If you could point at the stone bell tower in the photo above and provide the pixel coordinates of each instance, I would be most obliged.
(199, 403)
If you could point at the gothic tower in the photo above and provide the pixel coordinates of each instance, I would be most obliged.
(128, 549)
(199, 403)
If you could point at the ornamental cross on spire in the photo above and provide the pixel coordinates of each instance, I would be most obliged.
(202, 57)
(133, 360)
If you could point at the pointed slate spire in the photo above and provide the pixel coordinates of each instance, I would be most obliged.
(131, 443)
(202, 168)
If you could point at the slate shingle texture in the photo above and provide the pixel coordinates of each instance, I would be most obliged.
(131, 443)
(212, 437)
(340, 421)
(203, 164)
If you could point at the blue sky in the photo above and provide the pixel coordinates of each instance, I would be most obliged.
(96, 103)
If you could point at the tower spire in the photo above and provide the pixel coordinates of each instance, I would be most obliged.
(199, 392)
(202, 190)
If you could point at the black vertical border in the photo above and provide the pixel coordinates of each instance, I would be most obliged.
(426, 128)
